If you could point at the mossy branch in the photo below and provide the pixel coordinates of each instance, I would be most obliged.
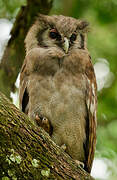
(27, 151)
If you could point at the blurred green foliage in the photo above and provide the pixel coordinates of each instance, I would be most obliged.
(10, 8)
(102, 43)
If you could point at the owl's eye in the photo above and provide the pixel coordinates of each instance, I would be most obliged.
(54, 34)
(73, 37)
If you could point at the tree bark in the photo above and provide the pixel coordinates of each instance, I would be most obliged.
(15, 51)
(27, 151)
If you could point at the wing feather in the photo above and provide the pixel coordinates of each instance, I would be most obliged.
(91, 102)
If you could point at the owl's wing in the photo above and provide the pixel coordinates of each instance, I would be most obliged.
(23, 94)
(91, 102)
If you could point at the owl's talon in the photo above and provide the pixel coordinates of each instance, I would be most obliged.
(37, 117)
(80, 164)
(41, 120)
(44, 123)
(45, 120)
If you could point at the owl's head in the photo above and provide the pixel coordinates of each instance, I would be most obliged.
(57, 31)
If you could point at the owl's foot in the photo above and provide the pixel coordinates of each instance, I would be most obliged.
(80, 164)
(44, 123)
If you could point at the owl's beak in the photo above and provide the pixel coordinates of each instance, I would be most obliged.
(66, 45)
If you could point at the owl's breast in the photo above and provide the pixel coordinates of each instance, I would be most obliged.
(61, 98)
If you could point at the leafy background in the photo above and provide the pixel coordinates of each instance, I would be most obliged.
(102, 44)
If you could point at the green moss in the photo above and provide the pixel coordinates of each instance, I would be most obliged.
(11, 172)
(45, 172)
(14, 178)
(18, 159)
(35, 163)
(5, 178)
(14, 157)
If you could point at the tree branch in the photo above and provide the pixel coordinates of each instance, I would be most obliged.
(27, 151)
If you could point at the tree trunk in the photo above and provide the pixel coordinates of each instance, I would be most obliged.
(27, 151)
(14, 53)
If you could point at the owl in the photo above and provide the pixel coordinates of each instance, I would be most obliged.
(58, 84)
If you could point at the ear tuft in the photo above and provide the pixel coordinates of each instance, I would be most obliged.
(83, 26)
